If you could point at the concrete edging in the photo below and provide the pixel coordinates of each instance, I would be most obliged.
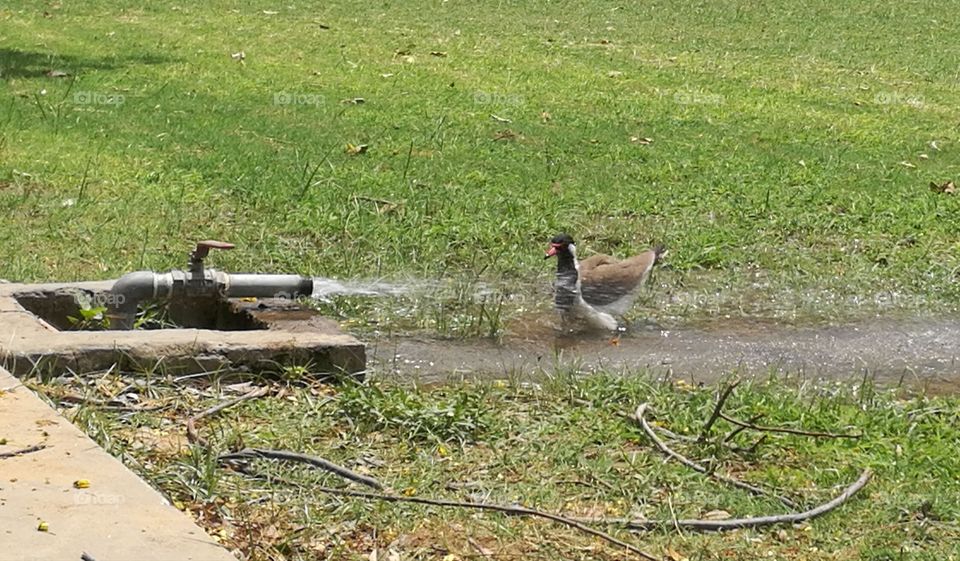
(118, 517)
(27, 342)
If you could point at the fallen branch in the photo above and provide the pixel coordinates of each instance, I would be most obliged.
(717, 410)
(111, 404)
(740, 429)
(734, 523)
(639, 417)
(750, 425)
(507, 509)
(34, 448)
(315, 461)
(194, 437)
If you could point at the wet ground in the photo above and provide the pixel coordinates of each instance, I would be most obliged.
(917, 353)
(890, 348)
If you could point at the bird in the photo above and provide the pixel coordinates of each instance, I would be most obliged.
(600, 287)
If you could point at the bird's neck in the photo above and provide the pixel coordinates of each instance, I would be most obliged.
(567, 265)
(567, 286)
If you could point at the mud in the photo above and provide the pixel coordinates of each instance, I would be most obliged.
(916, 352)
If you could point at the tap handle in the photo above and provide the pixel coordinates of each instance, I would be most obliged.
(204, 247)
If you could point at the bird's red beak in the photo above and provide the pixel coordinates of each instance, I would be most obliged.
(552, 251)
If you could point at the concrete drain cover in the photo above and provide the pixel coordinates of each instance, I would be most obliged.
(37, 333)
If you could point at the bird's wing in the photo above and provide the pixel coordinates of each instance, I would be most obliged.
(605, 280)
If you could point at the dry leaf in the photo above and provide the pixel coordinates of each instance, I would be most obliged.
(499, 119)
(240, 56)
(505, 134)
(673, 555)
(56, 74)
(544, 116)
(485, 551)
(354, 100)
(438, 53)
(614, 74)
(641, 140)
(354, 149)
(907, 164)
(716, 515)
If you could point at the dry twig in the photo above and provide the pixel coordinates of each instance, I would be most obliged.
(740, 429)
(734, 523)
(315, 461)
(750, 425)
(507, 509)
(34, 448)
(194, 437)
(639, 417)
(717, 410)
(111, 404)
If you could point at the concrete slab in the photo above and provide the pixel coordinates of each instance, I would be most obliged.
(27, 342)
(118, 517)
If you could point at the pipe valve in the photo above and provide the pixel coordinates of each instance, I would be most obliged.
(203, 248)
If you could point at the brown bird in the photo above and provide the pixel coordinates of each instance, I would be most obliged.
(600, 287)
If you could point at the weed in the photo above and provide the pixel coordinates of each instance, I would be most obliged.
(461, 417)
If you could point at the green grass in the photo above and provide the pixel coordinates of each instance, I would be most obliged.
(775, 173)
(561, 445)
(792, 145)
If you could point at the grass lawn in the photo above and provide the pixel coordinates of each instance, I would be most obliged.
(561, 445)
(783, 152)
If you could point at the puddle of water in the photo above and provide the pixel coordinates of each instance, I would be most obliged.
(433, 330)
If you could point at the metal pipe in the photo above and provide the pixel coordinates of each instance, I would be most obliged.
(268, 286)
(131, 289)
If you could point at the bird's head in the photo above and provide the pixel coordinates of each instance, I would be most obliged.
(561, 244)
